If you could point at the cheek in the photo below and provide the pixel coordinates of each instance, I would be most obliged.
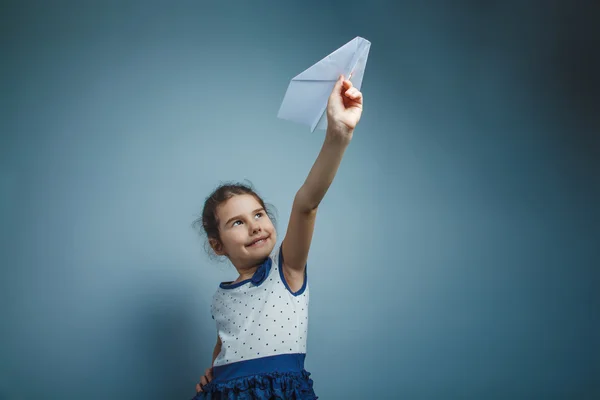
(270, 227)
(237, 236)
(233, 238)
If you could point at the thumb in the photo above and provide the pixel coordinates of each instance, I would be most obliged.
(335, 98)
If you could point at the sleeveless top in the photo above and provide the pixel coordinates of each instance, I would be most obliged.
(261, 317)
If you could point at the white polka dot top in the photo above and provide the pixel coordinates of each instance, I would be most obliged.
(261, 316)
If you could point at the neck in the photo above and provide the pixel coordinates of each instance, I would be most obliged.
(247, 273)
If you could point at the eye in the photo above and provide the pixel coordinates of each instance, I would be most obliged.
(260, 214)
(235, 222)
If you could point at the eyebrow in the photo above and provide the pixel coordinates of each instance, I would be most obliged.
(239, 216)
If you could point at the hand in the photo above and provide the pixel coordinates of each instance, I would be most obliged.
(204, 380)
(344, 108)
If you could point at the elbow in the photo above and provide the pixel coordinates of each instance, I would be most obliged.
(304, 204)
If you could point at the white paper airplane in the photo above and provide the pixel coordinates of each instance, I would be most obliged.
(305, 101)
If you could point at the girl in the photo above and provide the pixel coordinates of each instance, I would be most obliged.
(262, 316)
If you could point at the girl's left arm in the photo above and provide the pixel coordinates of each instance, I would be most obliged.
(343, 113)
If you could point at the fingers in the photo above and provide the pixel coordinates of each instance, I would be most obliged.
(343, 91)
(335, 98)
(353, 94)
(349, 90)
(337, 88)
(204, 380)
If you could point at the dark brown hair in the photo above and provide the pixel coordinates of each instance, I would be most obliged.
(209, 219)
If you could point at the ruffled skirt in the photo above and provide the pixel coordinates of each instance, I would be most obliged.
(280, 377)
(275, 385)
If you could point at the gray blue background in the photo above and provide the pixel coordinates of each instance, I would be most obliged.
(455, 255)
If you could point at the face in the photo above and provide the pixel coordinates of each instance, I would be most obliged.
(247, 233)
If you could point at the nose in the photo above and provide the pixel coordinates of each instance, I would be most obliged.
(255, 227)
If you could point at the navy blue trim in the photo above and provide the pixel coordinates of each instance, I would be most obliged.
(228, 285)
(279, 363)
(301, 290)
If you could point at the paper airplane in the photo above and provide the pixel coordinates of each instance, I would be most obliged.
(305, 101)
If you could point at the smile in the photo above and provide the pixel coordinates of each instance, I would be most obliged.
(258, 242)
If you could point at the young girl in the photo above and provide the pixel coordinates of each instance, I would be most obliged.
(262, 316)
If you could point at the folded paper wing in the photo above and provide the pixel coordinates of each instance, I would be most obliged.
(305, 101)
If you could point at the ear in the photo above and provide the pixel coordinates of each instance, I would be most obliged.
(217, 246)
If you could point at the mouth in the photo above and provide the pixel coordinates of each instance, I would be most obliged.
(258, 242)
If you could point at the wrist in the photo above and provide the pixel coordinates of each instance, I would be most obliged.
(338, 136)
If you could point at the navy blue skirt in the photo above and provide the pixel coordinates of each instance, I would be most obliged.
(279, 377)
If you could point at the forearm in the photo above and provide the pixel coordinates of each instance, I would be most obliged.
(216, 352)
(322, 172)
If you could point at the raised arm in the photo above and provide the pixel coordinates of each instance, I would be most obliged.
(344, 109)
